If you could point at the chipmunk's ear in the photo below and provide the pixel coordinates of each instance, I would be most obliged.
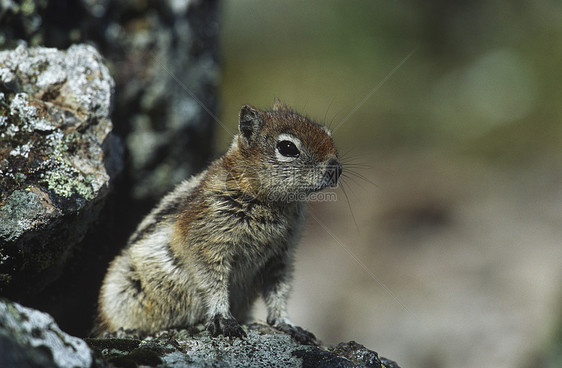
(280, 106)
(251, 121)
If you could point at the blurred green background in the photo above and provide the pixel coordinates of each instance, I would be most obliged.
(453, 110)
(482, 76)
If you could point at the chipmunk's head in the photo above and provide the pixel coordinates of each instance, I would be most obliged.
(286, 155)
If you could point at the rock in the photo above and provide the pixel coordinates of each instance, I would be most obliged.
(56, 159)
(164, 58)
(344, 355)
(167, 72)
(263, 347)
(29, 338)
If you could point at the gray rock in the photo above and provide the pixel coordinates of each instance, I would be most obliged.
(166, 67)
(29, 338)
(56, 158)
(263, 347)
(163, 55)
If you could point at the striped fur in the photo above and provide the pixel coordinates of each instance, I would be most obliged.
(223, 237)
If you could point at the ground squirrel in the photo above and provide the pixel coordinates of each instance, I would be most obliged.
(226, 235)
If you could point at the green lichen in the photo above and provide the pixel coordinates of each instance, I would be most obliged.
(66, 185)
(65, 180)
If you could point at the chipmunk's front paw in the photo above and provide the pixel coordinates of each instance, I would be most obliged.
(299, 334)
(228, 327)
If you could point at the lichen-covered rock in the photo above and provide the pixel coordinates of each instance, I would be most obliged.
(344, 355)
(164, 58)
(263, 347)
(56, 158)
(29, 338)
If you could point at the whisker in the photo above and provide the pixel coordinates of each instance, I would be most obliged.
(305, 105)
(360, 176)
(357, 184)
(338, 113)
(354, 181)
(326, 113)
(351, 155)
(350, 209)
(356, 258)
(350, 188)
(358, 106)
(358, 165)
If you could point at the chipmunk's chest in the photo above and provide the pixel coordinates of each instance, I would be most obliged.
(258, 244)
(258, 230)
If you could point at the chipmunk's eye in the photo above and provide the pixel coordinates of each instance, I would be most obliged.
(288, 149)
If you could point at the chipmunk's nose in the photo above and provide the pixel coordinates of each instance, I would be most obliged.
(333, 172)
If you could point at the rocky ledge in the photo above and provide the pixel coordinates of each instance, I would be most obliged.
(29, 338)
(56, 158)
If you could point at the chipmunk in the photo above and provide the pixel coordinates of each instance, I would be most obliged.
(226, 235)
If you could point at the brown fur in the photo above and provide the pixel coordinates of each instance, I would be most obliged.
(225, 236)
